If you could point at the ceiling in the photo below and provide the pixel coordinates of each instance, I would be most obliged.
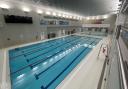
(83, 7)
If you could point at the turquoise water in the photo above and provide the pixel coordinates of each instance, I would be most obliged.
(45, 65)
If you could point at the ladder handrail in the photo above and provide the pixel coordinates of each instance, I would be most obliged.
(104, 66)
(99, 50)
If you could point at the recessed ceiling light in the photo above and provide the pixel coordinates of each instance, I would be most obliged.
(88, 18)
(59, 15)
(70, 17)
(63, 15)
(26, 9)
(105, 16)
(4, 6)
(54, 14)
(39, 11)
(48, 13)
(66, 16)
(74, 17)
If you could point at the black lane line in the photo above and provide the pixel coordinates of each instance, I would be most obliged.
(36, 75)
(46, 46)
(25, 67)
(34, 50)
(30, 51)
(51, 50)
(44, 59)
(34, 45)
(54, 40)
(39, 44)
(30, 47)
(40, 61)
(42, 87)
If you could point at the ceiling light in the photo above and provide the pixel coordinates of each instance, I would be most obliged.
(48, 13)
(39, 11)
(59, 15)
(70, 17)
(26, 9)
(63, 15)
(74, 17)
(54, 14)
(67, 16)
(4, 6)
(105, 16)
(88, 18)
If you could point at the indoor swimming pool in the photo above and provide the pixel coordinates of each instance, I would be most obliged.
(45, 65)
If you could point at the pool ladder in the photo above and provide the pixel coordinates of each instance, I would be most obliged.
(104, 65)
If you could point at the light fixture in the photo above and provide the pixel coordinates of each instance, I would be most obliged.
(59, 15)
(54, 14)
(63, 16)
(66, 16)
(26, 9)
(74, 17)
(4, 6)
(105, 16)
(39, 11)
(70, 16)
(48, 13)
(88, 18)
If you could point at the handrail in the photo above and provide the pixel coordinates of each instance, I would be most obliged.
(99, 50)
(122, 68)
(103, 69)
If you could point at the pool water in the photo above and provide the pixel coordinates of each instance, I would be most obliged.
(45, 65)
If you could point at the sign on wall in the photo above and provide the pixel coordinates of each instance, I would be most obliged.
(53, 22)
(63, 23)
